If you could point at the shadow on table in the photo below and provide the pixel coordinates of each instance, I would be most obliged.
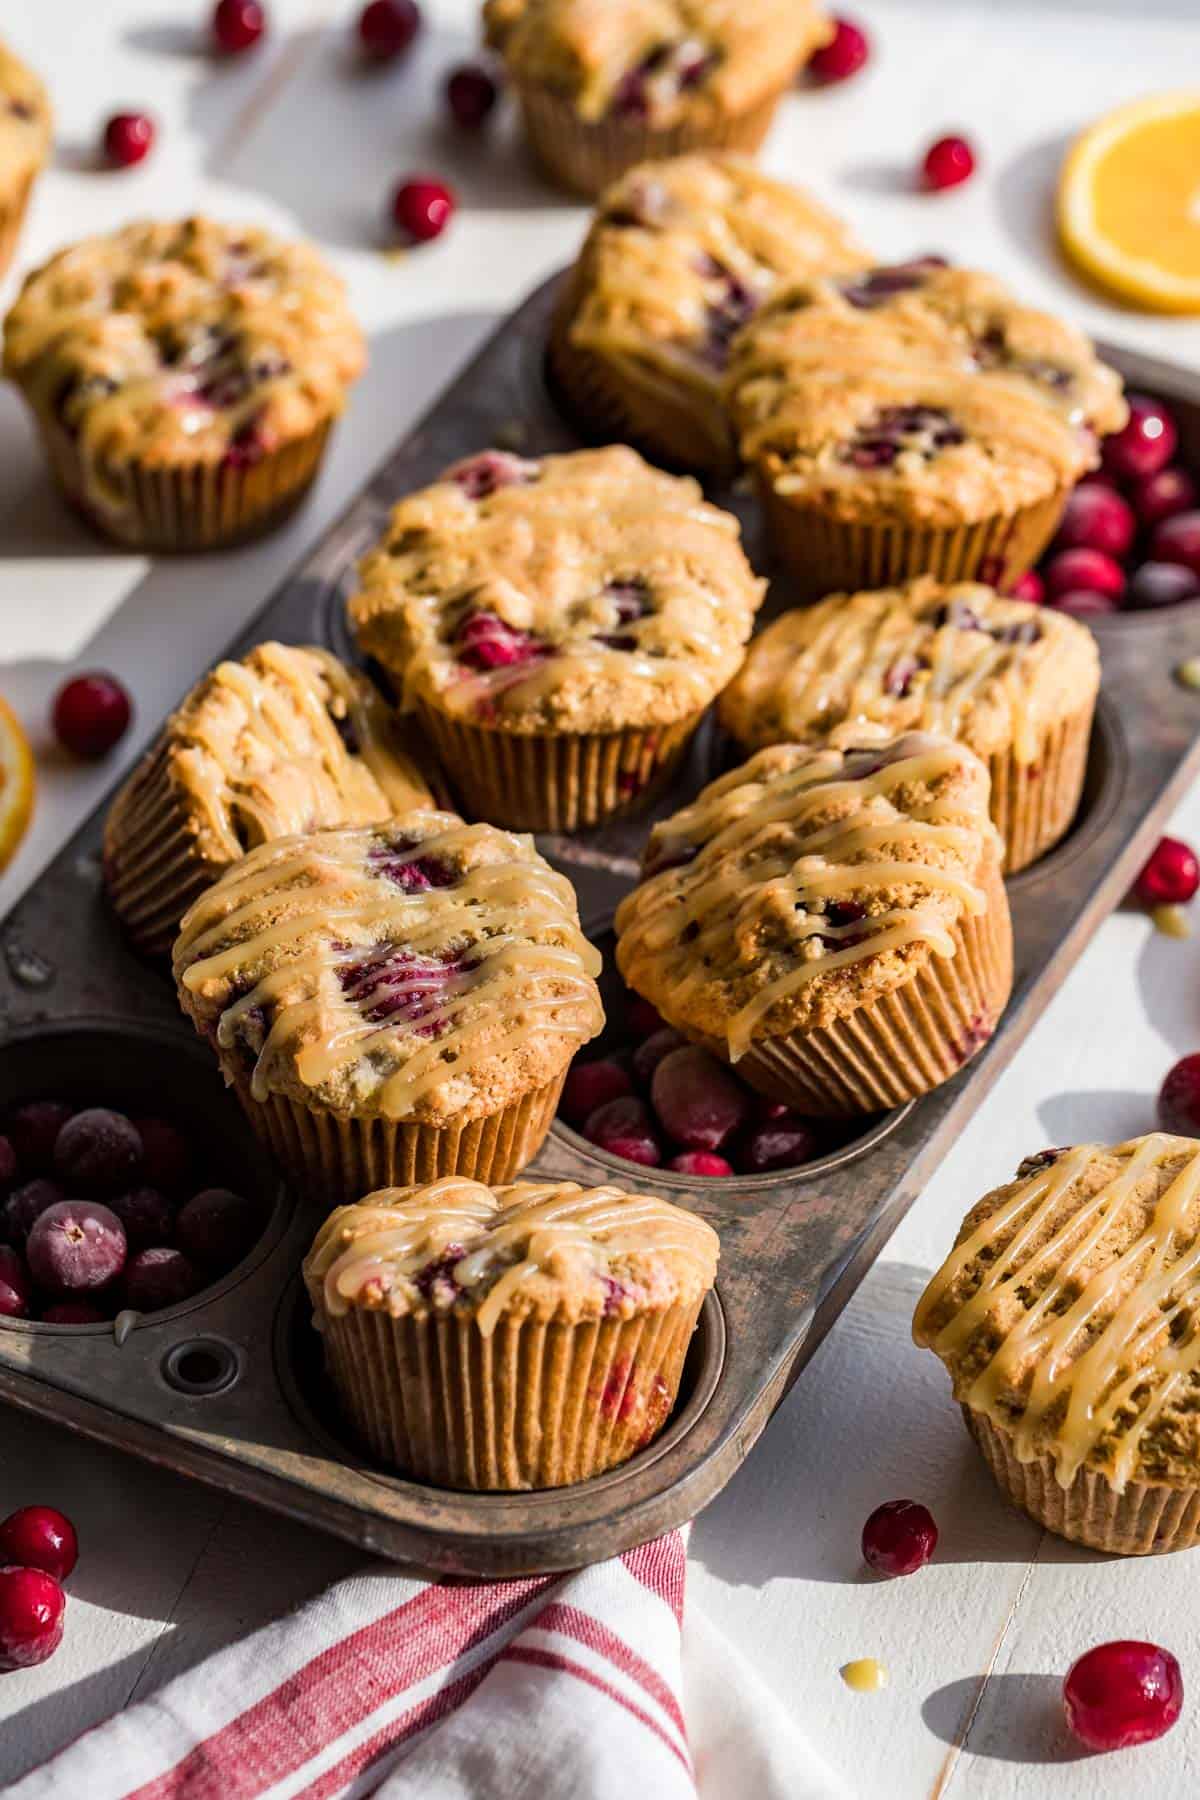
(1096, 1116)
(1030, 1706)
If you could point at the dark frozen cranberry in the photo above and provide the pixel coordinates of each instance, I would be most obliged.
(483, 474)
(436, 1280)
(422, 208)
(72, 1312)
(899, 1538)
(1030, 587)
(1171, 876)
(387, 27)
(1091, 569)
(146, 1216)
(1179, 1098)
(642, 1019)
(470, 94)
(166, 1155)
(217, 1228)
(412, 875)
(877, 286)
(25, 1205)
(91, 714)
(843, 56)
(591, 1085)
(1096, 518)
(698, 1102)
(32, 1607)
(1145, 444)
(1084, 603)
(1121, 1694)
(128, 139)
(705, 1163)
(485, 642)
(76, 1247)
(14, 1285)
(1156, 584)
(779, 1144)
(40, 1537)
(651, 1051)
(9, 1166)
(33, 1131)
(947, 163)
(159, 1277)
(1162, 495)
(237, 25)
(1177, 540)
(98, 1152)
(623, 1128)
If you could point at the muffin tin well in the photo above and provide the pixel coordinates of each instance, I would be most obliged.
(228, 1387)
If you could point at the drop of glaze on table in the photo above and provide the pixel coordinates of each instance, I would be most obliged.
(1189, 672)
(123, 1324)
(864, 1675)
(27, 966)
(1172, 921)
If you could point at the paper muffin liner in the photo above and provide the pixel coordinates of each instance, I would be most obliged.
(560, 782)
(826, 555)
(13, 205)
(151, 867)
(197, 506)
(1146, 1519)
(336, 1160)
(535, 1405)
(902, 1044)
(1033, 803)
(586, 156)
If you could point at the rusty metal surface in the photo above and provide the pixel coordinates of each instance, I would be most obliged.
(79, 1011)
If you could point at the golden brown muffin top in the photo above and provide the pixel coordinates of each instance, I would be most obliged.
(1068, 1312)
(422, 970)
(551, 1250)
(805, 883)
(959, 659)
(582, 593)
(25, 122)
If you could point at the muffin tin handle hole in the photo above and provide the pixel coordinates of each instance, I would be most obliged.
(200, 1366)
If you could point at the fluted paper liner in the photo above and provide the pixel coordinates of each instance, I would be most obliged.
(12, 216)
(536, 1405)
(151, 867)
(1033, 803)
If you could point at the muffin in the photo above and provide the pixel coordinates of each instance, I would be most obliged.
(1016, 683)
(914, 420)
(287, 740)
(25, 130)
(559, 628)
(184, 377)
(392, 1003)
(678, 258)
(515, 1337)
(832, 920)
(602, 86)
(1066, 1315)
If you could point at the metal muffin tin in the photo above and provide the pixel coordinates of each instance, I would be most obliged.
(229, 1386)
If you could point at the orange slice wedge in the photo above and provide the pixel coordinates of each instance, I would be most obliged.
(16, 783)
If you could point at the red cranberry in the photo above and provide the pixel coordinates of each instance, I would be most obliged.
(72, 1312)
(1157, 584)
(97, 1152)
(1122, 1694)
(91, 713)
(698, 1102)
(470, 94)
(651, 1051)
(947, 163)
(1084, 603)
(387, 27)
(1092, 569)
(159, 1277)
(1177, 540)
(422, 208)
(778, 1144)
(642, 1018)
(1029, 586)
(623, 1128)
(166, 1154)
(700, 1162)
(591, 1085)
(217, 1228)
(33, 1130)
(146, 1216)
(899, 1537)
(843, 56)
(128, 138)
(237, 24)
(1179, 1098)
(1161, 495)
(14, 1285)
(9, 1166)
(25, 1205)
(39, 1537)
(1096, 518)
(31, 1617)
(1170, 877)
(1145, 443)
(76, 1246)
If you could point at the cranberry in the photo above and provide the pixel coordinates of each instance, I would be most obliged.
(97, 1152)
(9, 1166)
(485, 641)
(128, 138)
(1179, 1098)
(843, 56)
(1122, 1694)
(38, 1537)
(643, 1019)
(25, 1205)
(1163, 494)
(1177, 540)
(33, 1131)
(14, 1285)
(91, 713)
(698, 1102)
(31, 1617)
(1157, 584)
(483, 474)
(899, 1537)
(623, 1128)
(217, 1228)
(777, 1144)
(470, 94)
(387, 27)
(166, 1154)
(159, 1277)
(1084, 603)
(422, 208)
(947, 163)
(651, 1051)
(700, 1162)
(1145, 443)
(72, 1312)
(1096, 518)
(1029, 586)
(237, 25)
(1170, 877)
(76, 1246)
(146, 1216)
(1091, 569)
(591, 1085)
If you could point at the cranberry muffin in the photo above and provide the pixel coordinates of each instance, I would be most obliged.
(679, 256)
(184, 377)
(604, 86)
(509, 1337)
(559, 627)
(287, 740)
(1066, 1317)
(394, 1002)
(832, 920)
(914, 420)
(25, 133)
(1016, 683)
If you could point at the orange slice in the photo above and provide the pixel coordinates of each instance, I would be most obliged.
(16, 783)
(1129, 202)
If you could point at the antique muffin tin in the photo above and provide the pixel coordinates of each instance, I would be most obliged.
(228, 1387)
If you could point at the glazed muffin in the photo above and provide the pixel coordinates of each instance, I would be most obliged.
(392, 1003)
(559, 627)
(604, 84)
(679, 256)
(832, 920)
(1016, 683)
(914, 420)
(511, 1337)
(287, 740)
(25, 129)
(1066, 1317)
(184, 377)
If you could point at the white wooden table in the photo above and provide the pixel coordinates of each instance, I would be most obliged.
(293, 136)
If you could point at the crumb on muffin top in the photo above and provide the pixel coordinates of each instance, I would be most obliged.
(1068, 1312)
(25, 122)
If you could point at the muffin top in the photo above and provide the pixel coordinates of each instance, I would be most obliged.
(550, 1250)
(422, 970)
(25, 121)
(576, 593)
(962, 660)
(184, 342)
(656, 62)
(1068, 1312)
(805, 883)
